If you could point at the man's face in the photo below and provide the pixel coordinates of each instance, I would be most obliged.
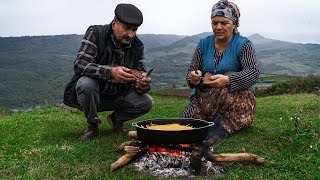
(124, 33)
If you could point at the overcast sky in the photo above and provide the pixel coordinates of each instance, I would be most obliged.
(295, 19)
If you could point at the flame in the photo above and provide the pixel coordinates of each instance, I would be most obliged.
(184, 145)
(164, 149)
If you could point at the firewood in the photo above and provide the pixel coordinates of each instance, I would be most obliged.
(127, 143)
(133, 134)
(131, 149)
(125, 159)
(236, 157)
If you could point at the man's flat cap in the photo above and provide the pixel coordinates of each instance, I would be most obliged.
(128, 14)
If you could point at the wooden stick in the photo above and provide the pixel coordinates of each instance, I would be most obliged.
(133, 134)
(236, 157)
(127, 143)
(132, 149)
(125, 159)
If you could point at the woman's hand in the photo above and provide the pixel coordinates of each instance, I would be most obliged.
(218, 80)
(195, 77)
(121, 75)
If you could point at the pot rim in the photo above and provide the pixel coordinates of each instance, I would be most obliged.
(135, 124)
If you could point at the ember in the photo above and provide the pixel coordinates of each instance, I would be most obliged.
(170, 149)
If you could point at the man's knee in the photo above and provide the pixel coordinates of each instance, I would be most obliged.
(86, 85)
(147, 103)
(141, 103)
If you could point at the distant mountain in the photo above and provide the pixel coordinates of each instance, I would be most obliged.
(151, 41)
(281, 57)
(69, 44)
(34, 70)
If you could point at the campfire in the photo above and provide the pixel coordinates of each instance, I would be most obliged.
(178, 159)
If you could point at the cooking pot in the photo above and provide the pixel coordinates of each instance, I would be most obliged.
(151, 136)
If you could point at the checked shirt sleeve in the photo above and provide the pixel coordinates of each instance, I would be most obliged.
(196, 64)
(84, 64)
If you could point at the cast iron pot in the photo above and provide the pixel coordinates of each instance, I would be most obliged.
(149, 136)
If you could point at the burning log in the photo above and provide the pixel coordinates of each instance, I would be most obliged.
(125, 159)
(236, 157)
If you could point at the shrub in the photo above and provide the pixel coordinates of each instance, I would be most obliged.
(296, 85)
(4, 111)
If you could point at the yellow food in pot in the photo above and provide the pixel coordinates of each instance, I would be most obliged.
(169, 127)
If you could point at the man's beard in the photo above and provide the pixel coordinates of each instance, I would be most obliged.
(127, 39)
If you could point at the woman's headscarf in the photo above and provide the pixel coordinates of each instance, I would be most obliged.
(227, 9)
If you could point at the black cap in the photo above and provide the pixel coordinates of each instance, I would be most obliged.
(128, 14)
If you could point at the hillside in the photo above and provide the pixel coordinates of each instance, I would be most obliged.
(34, 70)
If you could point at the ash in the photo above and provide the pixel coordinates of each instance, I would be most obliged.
(166, 165)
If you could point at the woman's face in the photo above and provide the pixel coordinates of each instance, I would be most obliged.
(222, 28)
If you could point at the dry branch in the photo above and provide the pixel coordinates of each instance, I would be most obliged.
(236, 157)
(132, 149)
(127, 143)
(125, 159)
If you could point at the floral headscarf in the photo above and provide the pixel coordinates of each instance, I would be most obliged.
(227, 9)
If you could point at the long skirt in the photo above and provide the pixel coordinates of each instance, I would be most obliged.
(234, 109)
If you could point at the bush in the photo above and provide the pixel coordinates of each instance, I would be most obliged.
(4, 111)
(296, 85)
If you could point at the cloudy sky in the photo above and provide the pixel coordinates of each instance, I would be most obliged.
(292, 20)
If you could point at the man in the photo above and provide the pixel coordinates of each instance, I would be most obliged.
(102, 79)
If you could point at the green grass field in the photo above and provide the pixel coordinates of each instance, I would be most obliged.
(44, 144)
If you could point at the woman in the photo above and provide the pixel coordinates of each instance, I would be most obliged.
(222, 72)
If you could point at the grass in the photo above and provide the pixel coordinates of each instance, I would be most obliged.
(44, 144)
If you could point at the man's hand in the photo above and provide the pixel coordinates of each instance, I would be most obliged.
(143, 83)
(195, 77)
(121, 75)
(218, 80)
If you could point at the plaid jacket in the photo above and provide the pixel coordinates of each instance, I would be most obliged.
(96, 56)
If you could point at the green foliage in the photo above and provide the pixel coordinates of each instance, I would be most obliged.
(270, 78)
(4, 111)
(294, 85)
(44, 144)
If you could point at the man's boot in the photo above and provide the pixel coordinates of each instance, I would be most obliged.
(116, 125)
(92, 131)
